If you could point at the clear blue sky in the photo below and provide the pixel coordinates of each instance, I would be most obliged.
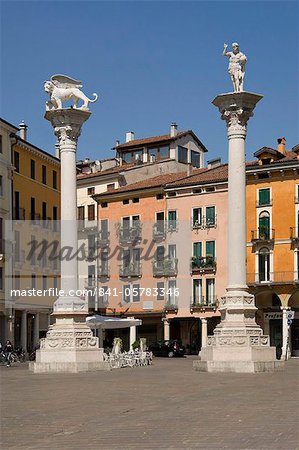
(151, 63)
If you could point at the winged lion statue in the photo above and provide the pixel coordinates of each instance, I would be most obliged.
(62, 88)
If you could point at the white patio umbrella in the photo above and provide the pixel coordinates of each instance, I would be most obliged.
(111, 323)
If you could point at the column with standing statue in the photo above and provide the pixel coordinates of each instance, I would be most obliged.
(238, 343)
(69, 345)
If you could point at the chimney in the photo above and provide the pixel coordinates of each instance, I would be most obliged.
(173, 129)
(117, 142)
(212, 163)
(23, 130)
(57, 150)
(130, 136)
(281, 145)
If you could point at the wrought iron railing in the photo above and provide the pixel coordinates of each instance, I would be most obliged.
(263, 234)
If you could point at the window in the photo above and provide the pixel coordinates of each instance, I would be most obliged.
(1, 143)
(160, 290)
(210, 291)
(263, 265)
(195, 159)
(264, 225)
(264, 197)
(171, 292)
(135, 200)
(159, 196)
(104, 205)
(44, 174)
(134, 156)
(160, 251)
(91, 271)
(55, 283)
(104, 263)
(197, 249)
(80, 212)
(210, 249)
(44, 211)
(210, 189)
(104, 229)
(126, 293)
(90, 191)
(33, 281)
(32, 169)
(262, 176)
(182, 154)
(17, 161)
(54, 179)
(197, 291)
(197, 191)
(126, 201)
(171, 194)
(172, 220)
(210, 216)
(160, 223)
(172, 251)
(136, 293)
(44, 285)
(157, 153)
(1, 278)
(55, 218)
(197, 217)
(1, 185)
(32, 208)
(91, 212)
(110, 186)
(91, 245)
(33, 257)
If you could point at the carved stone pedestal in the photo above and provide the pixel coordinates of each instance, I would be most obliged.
(70, 345)
(238, 343)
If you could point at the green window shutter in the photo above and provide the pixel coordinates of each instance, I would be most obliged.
(210, 215)
(197, 249)
(210, 249)
(264, 196)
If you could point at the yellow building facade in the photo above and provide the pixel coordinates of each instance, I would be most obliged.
(36, 214)
(272, 243)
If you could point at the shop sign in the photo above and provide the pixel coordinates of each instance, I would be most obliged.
(273, 315)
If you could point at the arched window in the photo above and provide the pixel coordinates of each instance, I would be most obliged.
(264, 225)
(264, 265)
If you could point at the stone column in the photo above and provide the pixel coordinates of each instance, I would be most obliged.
(204, 332)
(70, 345)
(132, 335)
(24, 331)
(36, 330)
(166, 329)
(285, 333)
(238, 343)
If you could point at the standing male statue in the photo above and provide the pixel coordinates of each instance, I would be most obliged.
(236, 66)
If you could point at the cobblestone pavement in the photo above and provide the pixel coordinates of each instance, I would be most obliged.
(165, 406)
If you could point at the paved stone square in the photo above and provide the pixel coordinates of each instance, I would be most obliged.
(165, 406)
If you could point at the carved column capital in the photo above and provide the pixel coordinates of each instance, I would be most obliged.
(236, 122)
(68, 136)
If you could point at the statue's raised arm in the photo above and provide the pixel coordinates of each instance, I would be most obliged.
(236, 66)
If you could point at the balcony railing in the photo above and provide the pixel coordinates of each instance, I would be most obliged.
(202, 302)
(129, 234)
(159, 230)
(103, 238)
(203, 264)
(85, 224)
(90, 282)
(132, 270)
(18, 214)
(262, 234)
(287, 277)
(171, 305)
(172, 225)
(166, 267)
(267, 202)
(103, 271)
(204, 222)
(294, 234)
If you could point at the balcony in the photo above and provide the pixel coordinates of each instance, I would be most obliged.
(262, 235)
(103, 271)
(85, 224)
(204, 223)
(294, 235)
(203, 264)
(200, 303)
(129, 234)
(264, 203)
(90, 283)
(132, 270)
(18, 214)
(159, 230)
(273, 278)
(171, 305)
(103, 238)
(166, 267)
